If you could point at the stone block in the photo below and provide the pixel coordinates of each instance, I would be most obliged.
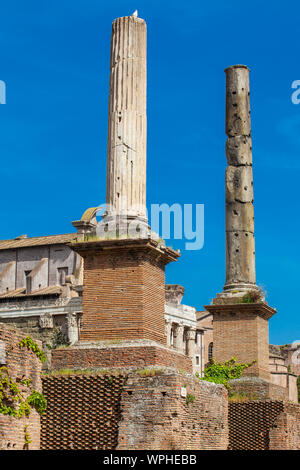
(239, 217)
(239, 184)
(238, 121)
(240, 259)
(238, 150)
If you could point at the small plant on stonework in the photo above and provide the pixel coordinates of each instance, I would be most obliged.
(12, 402)
(26, 382)
(190, 398)
(32, 346)
(220, 373)
(252, 297)
(149, 372)
(146, 372)
(38, 401)
(12, 394)
(240, 397)
(27, 438)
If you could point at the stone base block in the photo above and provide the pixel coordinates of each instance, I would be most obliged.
(130, 354)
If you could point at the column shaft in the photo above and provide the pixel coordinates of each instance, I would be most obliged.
(240, 246)
(127, 122)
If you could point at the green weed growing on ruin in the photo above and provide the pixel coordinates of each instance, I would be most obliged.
(252, 297)
(241, 397)
(190, 398)
(27, 438)
(149, 372)
(12, 400)
(38, 401)
(221, 373)
(32, 346)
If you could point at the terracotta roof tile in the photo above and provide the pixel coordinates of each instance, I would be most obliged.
(21, 292)
(36, 241)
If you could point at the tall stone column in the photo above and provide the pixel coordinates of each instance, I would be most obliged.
(127, 121)
(240, 245)
(123, 298)
(240, 312)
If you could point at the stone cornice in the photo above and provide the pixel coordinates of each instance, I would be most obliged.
(261, 309)
(152, 247)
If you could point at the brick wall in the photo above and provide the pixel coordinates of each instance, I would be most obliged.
(83, 412)
(242, 334)
(285, 432)
(258, 389)
(123, 296)
(156, 417)
(138, 356)
(100, 411)
(48, 336)
(21, 363)
(263, 425)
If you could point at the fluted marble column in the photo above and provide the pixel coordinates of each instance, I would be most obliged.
(240, 245)
(127, 121)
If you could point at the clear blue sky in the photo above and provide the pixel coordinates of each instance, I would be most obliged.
(54, 58)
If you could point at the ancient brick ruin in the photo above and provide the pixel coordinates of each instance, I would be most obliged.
(124, 355)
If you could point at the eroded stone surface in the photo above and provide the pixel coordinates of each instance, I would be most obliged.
(238, 120)
(240, 255)
(127, 122)
(238, 150)
(239, 184)
(239, 217)
(240, 246)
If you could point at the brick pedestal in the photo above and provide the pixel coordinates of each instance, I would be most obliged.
(242, 331)
(124, 355)
(124, 289)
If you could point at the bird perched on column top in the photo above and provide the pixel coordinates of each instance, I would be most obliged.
(135, 13)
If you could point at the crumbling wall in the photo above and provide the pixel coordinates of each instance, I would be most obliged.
(133, 412)
(264, 425)
(157, 416)
(21, 364)
(258, 389)
(285, 432)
